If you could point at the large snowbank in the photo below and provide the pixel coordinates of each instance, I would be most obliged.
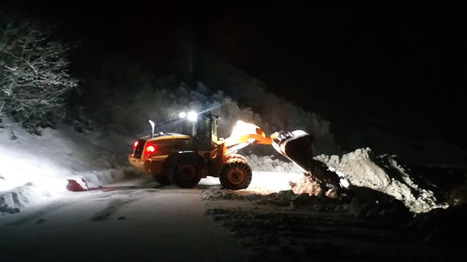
(383, 173)
(376, 183)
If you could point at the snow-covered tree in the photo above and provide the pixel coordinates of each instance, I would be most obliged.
(34, 73)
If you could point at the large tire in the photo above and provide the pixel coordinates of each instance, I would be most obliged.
(235, 174)
(185, 171)
(163, 180)
(237, 157)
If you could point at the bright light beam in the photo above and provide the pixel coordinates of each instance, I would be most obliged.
(192, 116)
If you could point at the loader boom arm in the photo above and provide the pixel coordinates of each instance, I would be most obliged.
(297, 146)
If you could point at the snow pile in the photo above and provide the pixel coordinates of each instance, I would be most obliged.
(34, 169)
(363, 203)
(11, 201)
(384, 174)
(380, 186)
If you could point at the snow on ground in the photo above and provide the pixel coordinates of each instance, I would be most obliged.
(388, 215)
(123, 223)
(273, 228)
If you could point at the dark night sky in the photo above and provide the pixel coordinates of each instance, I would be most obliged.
(398, 58)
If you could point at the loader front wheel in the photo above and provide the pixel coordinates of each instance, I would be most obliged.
(185, 172)
(235, 174)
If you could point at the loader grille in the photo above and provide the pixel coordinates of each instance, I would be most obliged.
(139, 148)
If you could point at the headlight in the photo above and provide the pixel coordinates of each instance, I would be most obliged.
(192, 116)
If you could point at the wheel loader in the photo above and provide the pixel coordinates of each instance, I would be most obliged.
(197, 152)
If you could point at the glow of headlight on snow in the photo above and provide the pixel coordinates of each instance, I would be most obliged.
(265, 182)
(39, 179)
(53, 187)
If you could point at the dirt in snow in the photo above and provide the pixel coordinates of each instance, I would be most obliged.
(288, 227)
(390, 212)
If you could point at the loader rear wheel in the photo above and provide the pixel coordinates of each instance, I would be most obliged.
(185, 172)
(163, 180)
(235, 174)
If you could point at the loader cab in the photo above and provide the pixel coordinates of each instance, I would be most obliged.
(203, 129)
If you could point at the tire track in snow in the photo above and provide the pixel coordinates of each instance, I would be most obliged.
(112, 207)
(38, 217)
(115, 204)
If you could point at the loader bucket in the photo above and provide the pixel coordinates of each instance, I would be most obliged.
(296, 146)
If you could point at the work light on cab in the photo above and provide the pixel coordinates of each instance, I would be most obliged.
(191, 116)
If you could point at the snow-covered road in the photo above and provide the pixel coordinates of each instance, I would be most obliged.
(125, 224)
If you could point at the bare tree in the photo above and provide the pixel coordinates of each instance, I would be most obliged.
(34, 78)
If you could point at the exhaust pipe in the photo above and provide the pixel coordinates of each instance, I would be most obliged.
(152, 127)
